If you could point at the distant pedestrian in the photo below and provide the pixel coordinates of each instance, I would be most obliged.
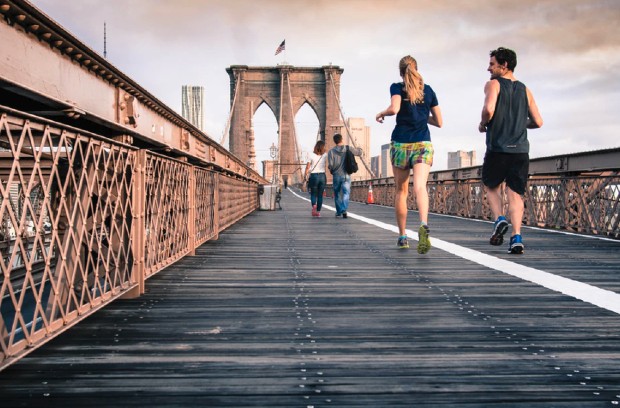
(341, 180)
(415, 105)
(315, 174)
(509, 110)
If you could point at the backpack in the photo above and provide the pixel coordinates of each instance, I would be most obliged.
(350, 165)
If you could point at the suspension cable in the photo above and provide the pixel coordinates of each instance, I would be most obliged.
(331, 79)
(297, 151)
(224, 138)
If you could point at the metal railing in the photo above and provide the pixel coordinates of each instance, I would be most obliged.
(583, 201)
(85, 220)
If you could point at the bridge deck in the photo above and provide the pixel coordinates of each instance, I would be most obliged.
(289, 311)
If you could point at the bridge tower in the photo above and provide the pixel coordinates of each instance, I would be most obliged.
(284, 89)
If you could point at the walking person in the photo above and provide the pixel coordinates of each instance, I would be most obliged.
(315, 174)
(341, 180)
(509, 110)
(415, 105)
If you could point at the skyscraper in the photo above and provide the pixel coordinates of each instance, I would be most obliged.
(460, 159)
(192, 105)
(386, 164)
(360, 133)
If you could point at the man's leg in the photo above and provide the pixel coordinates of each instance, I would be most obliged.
(337, 181)
(500, 227)
(346, 192)
(494, 197)
(515, 209)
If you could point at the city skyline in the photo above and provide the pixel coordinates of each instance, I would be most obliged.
(567, 50)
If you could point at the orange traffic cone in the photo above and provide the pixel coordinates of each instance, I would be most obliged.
(371, 198)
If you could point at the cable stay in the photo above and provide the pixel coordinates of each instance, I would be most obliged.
(297, 150)
(331, 80)
(224, 138)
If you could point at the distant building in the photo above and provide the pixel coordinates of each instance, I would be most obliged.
(460, 159)
(361, 138)
(386, 164)
(375, 166)
(192, 105)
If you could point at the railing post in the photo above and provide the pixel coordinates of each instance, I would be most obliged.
(138, 232)
(192, 211)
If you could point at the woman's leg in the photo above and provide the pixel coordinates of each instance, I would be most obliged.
(322, 180)
(420, 178)
(401, 181)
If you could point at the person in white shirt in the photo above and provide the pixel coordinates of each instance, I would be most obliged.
(315, 174)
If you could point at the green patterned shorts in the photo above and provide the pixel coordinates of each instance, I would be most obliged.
(406, 155)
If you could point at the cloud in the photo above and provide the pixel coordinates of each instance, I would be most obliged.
(569, 55)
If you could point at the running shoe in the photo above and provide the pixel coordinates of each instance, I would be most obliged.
(402, 242)
(424, 242)
(344, 214)
(516, 245)
(499, 229)
(314, 212)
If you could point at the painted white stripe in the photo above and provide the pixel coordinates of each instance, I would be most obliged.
(602, 298)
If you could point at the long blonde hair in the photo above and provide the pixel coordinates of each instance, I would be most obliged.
(414, 83)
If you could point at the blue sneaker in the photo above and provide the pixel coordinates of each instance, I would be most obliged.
(402, 242)
(499, 229)
(516, 245)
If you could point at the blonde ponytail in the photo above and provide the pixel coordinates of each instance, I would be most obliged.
(414, 83)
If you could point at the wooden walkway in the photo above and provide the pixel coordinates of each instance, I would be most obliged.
(289, 311)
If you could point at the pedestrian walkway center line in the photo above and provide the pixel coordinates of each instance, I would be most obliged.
(602, 298)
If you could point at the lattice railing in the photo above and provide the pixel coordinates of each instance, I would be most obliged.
(586, 203)
(85, 220)
(66, 227)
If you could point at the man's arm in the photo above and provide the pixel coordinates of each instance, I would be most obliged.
(535, 120)
(491, 92)
(357, 151)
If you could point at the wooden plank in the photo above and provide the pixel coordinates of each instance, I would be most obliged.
(285, 310)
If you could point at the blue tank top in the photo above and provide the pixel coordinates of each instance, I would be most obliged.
(507, 130)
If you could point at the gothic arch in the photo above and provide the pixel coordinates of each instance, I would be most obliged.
(285, 89)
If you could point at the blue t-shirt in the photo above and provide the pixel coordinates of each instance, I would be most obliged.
(412, 120)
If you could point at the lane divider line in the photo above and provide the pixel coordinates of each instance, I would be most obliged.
(603, 298)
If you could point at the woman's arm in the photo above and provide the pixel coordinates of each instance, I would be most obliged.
(307, 170)
(391, 110)
(435, 118)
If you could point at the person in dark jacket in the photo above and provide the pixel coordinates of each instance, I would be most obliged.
(340, 179)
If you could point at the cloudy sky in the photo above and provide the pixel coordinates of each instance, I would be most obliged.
(568, 55)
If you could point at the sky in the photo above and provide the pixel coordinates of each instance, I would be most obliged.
(568, 55)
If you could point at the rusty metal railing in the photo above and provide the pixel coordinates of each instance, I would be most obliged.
(585, 202)
(85, 220)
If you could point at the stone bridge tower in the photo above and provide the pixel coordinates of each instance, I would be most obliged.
(285, 89)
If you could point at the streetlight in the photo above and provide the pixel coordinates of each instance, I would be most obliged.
(273, 151)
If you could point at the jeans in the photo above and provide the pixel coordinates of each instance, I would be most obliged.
(316, 185)
(342, 190)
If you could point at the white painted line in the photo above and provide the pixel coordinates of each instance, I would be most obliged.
(602, 298)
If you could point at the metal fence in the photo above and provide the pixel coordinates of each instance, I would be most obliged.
(85, 220)
(583, 202)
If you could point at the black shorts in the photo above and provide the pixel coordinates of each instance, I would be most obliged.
(509, 167)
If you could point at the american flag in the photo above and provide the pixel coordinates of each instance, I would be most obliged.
(280, 48)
